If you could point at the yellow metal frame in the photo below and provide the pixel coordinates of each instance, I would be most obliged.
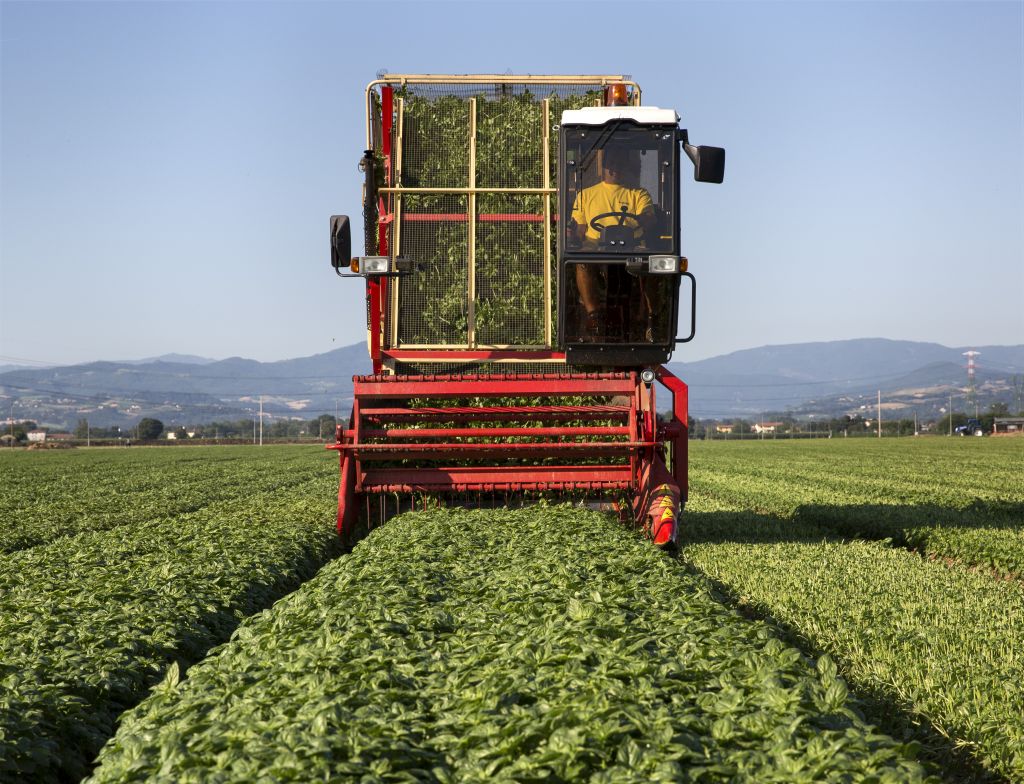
(471, 234)
(546, 191)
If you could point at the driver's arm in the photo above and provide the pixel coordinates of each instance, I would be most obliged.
(646, 216)
(648, 219)
(579, 217)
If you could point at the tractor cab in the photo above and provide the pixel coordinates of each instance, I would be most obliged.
(619, 248)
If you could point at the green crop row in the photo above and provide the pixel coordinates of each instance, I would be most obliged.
(942, 644)
(547, 644)
(945, 497)
(88, 623)
(47, 495)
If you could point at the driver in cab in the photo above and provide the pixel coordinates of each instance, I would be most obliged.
(610, 202)
(612, 195)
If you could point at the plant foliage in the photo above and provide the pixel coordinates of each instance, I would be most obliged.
(546, 644)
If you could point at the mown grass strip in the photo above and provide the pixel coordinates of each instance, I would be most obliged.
(546, 644)
(89, 622)
(944, 645)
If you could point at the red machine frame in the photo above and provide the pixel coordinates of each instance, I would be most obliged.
(615, 446)
(388, 428)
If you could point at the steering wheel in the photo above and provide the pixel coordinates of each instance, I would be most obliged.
(596, 224)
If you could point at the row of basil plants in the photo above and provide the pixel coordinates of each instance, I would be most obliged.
(544, 644)
(946, 497)
(47, 495)
(938, 648)
(88, 623)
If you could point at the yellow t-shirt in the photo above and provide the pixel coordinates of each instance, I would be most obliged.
(609, 197)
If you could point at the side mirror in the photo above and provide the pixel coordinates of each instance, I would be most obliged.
(341, 242)
(708, 163)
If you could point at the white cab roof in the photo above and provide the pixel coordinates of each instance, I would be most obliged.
(599, 115)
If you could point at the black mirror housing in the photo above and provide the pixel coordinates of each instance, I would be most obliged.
(709, 165)
(341, 242)
(708, 162)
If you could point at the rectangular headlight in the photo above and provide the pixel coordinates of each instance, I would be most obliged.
(664, 265)
(374, 265)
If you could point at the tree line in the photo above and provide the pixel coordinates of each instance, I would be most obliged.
(149, 429)
(789, 426)
(322, 428)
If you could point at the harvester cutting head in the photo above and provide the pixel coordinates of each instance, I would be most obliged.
(484, 380)
(580, 433)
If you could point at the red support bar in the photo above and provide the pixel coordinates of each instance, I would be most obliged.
(680, 443)
(497, 413)
(495, 432)
(481, 451)
(395, 387)
(376, 311)
(486, 478)
(477, 376)
(378, 289)
(346, 488)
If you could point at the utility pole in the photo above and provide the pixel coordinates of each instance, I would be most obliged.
(972, 389)
(88, 436)
(261, 420)
(879, 413)
(951, 413)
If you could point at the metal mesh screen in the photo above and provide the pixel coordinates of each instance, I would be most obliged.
(506, 250)
(509, 270)
(510, 142)
(435, 143)
(535, 91)
(433, 302)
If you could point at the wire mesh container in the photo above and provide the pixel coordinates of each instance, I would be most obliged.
(470, 186)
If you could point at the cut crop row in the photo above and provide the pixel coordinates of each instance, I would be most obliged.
(944, 497)
(89, 622)
(940, 645)
(546, 644)
(47, 495)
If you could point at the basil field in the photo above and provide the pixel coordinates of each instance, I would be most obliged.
(848, 611)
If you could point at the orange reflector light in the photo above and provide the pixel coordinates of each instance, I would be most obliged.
(354, 264)
(684, 264)
(616, 95)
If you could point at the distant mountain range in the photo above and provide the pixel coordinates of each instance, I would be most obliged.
(805, 378)
(839, 377)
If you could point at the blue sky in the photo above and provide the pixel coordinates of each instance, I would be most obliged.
(168, 169)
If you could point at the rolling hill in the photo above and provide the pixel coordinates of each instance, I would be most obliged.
(804, 378)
